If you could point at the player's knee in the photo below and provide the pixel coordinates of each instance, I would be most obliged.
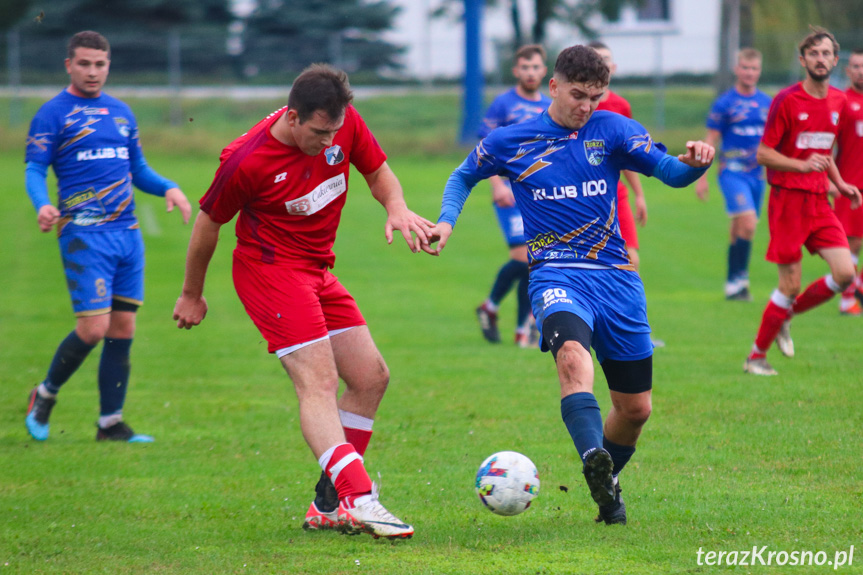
(844, 276)
(92, 330)
(635, 413)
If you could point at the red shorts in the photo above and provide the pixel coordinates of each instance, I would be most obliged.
(292, 306)
(625, 217)
(851, 220)
(799, 219)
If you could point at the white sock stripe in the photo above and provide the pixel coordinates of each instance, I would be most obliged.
(325, 458)
(831, 283)
(782, 300)
(343, 462)
(355, 421)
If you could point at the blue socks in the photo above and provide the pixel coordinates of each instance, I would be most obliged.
(114, 375)
(508, 274)
(583, 420)
(523, 300)
(620, 454)
(738, 259)
(69, 356)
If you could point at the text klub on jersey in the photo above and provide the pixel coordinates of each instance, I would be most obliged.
(121, 153)
(586, 189)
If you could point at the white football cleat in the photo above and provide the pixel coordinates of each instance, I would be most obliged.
(758, 366)
(317, 520)
(369, 516)
(783, 339)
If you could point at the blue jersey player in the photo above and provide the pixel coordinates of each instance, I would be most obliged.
(521, 103)
(564, 167)
(91, 141)
(737, 118)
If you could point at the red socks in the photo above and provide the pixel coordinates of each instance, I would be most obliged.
(771, 323)
(344, 467)
(817, 293)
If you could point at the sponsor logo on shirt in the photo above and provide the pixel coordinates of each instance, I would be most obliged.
(334, 155)
(815, 140)
(319, 198)
(78, 199)
(96, 111)
(747, 130)
(588, 188)
(803, 116)
(103, 154)
(595, 151)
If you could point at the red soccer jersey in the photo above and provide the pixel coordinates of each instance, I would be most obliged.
(289, 203)
(616, 103)
(850, 156)
(799, 125)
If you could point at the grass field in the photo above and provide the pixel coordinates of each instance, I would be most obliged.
(727, 461)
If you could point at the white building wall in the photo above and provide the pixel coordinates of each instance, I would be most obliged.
(688, 43)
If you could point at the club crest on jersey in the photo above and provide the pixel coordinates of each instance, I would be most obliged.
(122, 126)
(334, 155)
(595, 151)
(834, 117)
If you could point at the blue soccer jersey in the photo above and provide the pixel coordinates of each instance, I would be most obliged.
(565, 184)
(92, 144)
(740, 121)
(509, 108)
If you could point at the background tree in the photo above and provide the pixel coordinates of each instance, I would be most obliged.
(284, 36)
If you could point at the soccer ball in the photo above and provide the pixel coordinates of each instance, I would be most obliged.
(507, 482)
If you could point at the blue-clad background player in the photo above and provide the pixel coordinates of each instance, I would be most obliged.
(564, 167)
(737, 118)
(90, 139)
(521, 103)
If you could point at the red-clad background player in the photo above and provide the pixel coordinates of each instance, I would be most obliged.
(616, 103)
(849, 160)
(613, 102)
(288, 178)
(796, 149)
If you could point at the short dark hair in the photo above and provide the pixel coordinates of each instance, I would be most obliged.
(320, 87)
(857, 51)
(582, 64)
(528, 51)
(88, 39)
(597, 45)
(816, 35)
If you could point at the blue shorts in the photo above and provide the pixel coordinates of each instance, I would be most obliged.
(610, 301)
(101, 267)
(511, 225)
(743, 193)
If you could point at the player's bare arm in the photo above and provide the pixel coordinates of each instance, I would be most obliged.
(175, 198)
(848, 190)
(386, 189)
(698, 154)
(702, 187)
(775, 160)
(640, 201)
(500, 192)
(47, 217)
(191, 307)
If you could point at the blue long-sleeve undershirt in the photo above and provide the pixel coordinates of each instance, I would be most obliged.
(143, 176)
(669, 171)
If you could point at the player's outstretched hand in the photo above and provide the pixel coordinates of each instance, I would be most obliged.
(440, 233)
(176, 197)
(47, 217)
(414, 229)
(190, 311)
(698, 154)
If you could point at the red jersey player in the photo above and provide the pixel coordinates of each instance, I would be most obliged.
(796, 149)
(615, 103)
(288, 177)
(849, 160)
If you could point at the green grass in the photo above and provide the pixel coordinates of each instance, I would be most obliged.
(726, 462)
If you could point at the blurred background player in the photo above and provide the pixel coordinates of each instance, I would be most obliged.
(523, 102)
(797, 149)
(584, 289)
(849, 160)
(288, 179)
(737, 118)
(90, 139)
(613, 102)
